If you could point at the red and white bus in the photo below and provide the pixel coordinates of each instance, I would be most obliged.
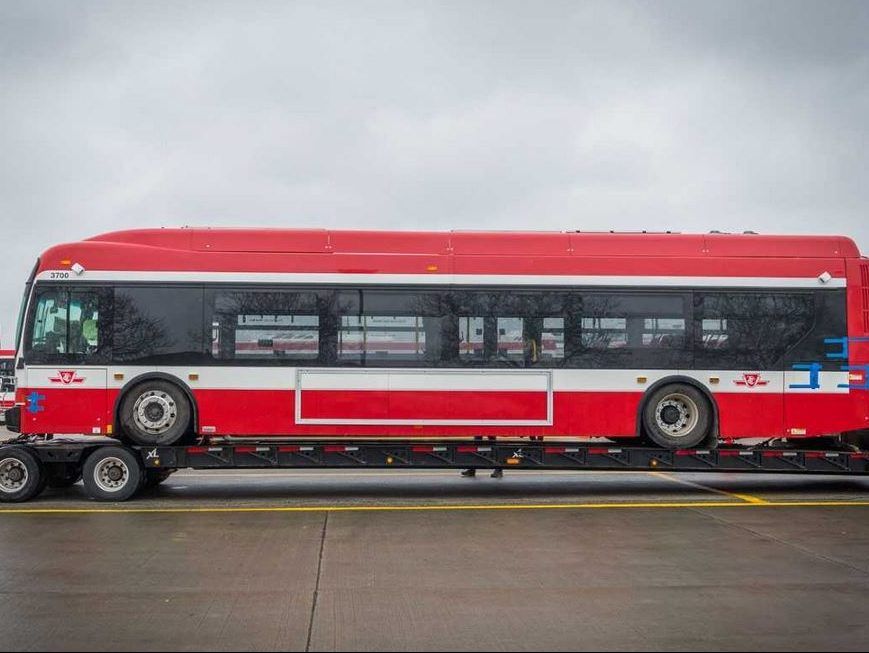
(160, 335)
(7, 381)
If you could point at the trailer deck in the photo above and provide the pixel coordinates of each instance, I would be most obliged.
(114, 471)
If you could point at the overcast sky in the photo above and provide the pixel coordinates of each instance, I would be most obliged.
(688, 116)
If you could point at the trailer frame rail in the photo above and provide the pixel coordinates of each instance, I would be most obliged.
(113, 471)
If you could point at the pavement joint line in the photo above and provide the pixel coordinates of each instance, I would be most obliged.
(316, 595)
(454, 507)
(748, 498)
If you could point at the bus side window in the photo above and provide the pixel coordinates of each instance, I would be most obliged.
(271, 325)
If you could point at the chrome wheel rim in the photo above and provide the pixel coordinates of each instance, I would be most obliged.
(111, 474)
(677, 415)
(155, 412)
(13, 475)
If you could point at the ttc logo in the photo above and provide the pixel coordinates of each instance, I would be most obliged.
(66, 377)
(751, 380)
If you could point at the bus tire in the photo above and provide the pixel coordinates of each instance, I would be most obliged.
(677, 416)
(155, 412)
(21, 475)
(112, 474)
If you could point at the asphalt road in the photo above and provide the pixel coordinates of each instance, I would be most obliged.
(427, 560)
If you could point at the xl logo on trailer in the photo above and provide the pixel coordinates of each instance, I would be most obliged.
(67, 377)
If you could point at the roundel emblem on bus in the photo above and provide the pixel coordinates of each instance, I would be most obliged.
(750, 380)
(66, 377)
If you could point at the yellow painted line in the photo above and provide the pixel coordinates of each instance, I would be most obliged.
(518, 506)
(747, 498)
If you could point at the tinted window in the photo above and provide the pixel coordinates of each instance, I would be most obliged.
(748, 330)
(268, 325)
(616, 329)
(509, 328)
(520, 327)
(383, 328)
(829, 322)
(158, 325)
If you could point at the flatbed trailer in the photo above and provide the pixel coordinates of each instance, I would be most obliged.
(114, 471)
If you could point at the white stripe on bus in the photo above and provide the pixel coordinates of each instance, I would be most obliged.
(443, 279)
(434, 379)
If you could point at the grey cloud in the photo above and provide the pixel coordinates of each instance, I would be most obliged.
(596, 115)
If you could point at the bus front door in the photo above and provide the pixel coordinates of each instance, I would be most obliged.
(64, 385)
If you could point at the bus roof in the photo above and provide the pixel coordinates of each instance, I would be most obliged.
(455, 252)
(540, 243)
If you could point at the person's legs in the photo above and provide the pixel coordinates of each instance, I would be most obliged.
(472, 471)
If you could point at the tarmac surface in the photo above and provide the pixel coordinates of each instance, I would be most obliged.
(325, 560)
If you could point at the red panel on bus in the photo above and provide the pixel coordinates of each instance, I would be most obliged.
(423, 405)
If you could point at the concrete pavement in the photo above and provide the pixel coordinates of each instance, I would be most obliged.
(426, 560)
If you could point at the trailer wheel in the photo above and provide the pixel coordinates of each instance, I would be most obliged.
(21, 475)
(112, 474)
(155, 412)
(677, 416)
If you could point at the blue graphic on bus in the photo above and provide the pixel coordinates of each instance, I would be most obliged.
(33, 405)
(814, 369)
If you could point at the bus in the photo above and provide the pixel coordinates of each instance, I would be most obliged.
(7, 381)
(166, 336)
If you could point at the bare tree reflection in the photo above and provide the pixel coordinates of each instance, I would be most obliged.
(751, 330)
(137, 335)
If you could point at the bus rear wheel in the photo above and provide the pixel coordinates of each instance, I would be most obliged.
(155, 413)
(677, 416)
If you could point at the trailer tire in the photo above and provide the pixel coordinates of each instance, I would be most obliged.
(22, 476)
(112, 474)
(155, 412)
(677, 416)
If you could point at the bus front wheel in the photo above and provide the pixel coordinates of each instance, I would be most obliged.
(677, 416)
(155, 412)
